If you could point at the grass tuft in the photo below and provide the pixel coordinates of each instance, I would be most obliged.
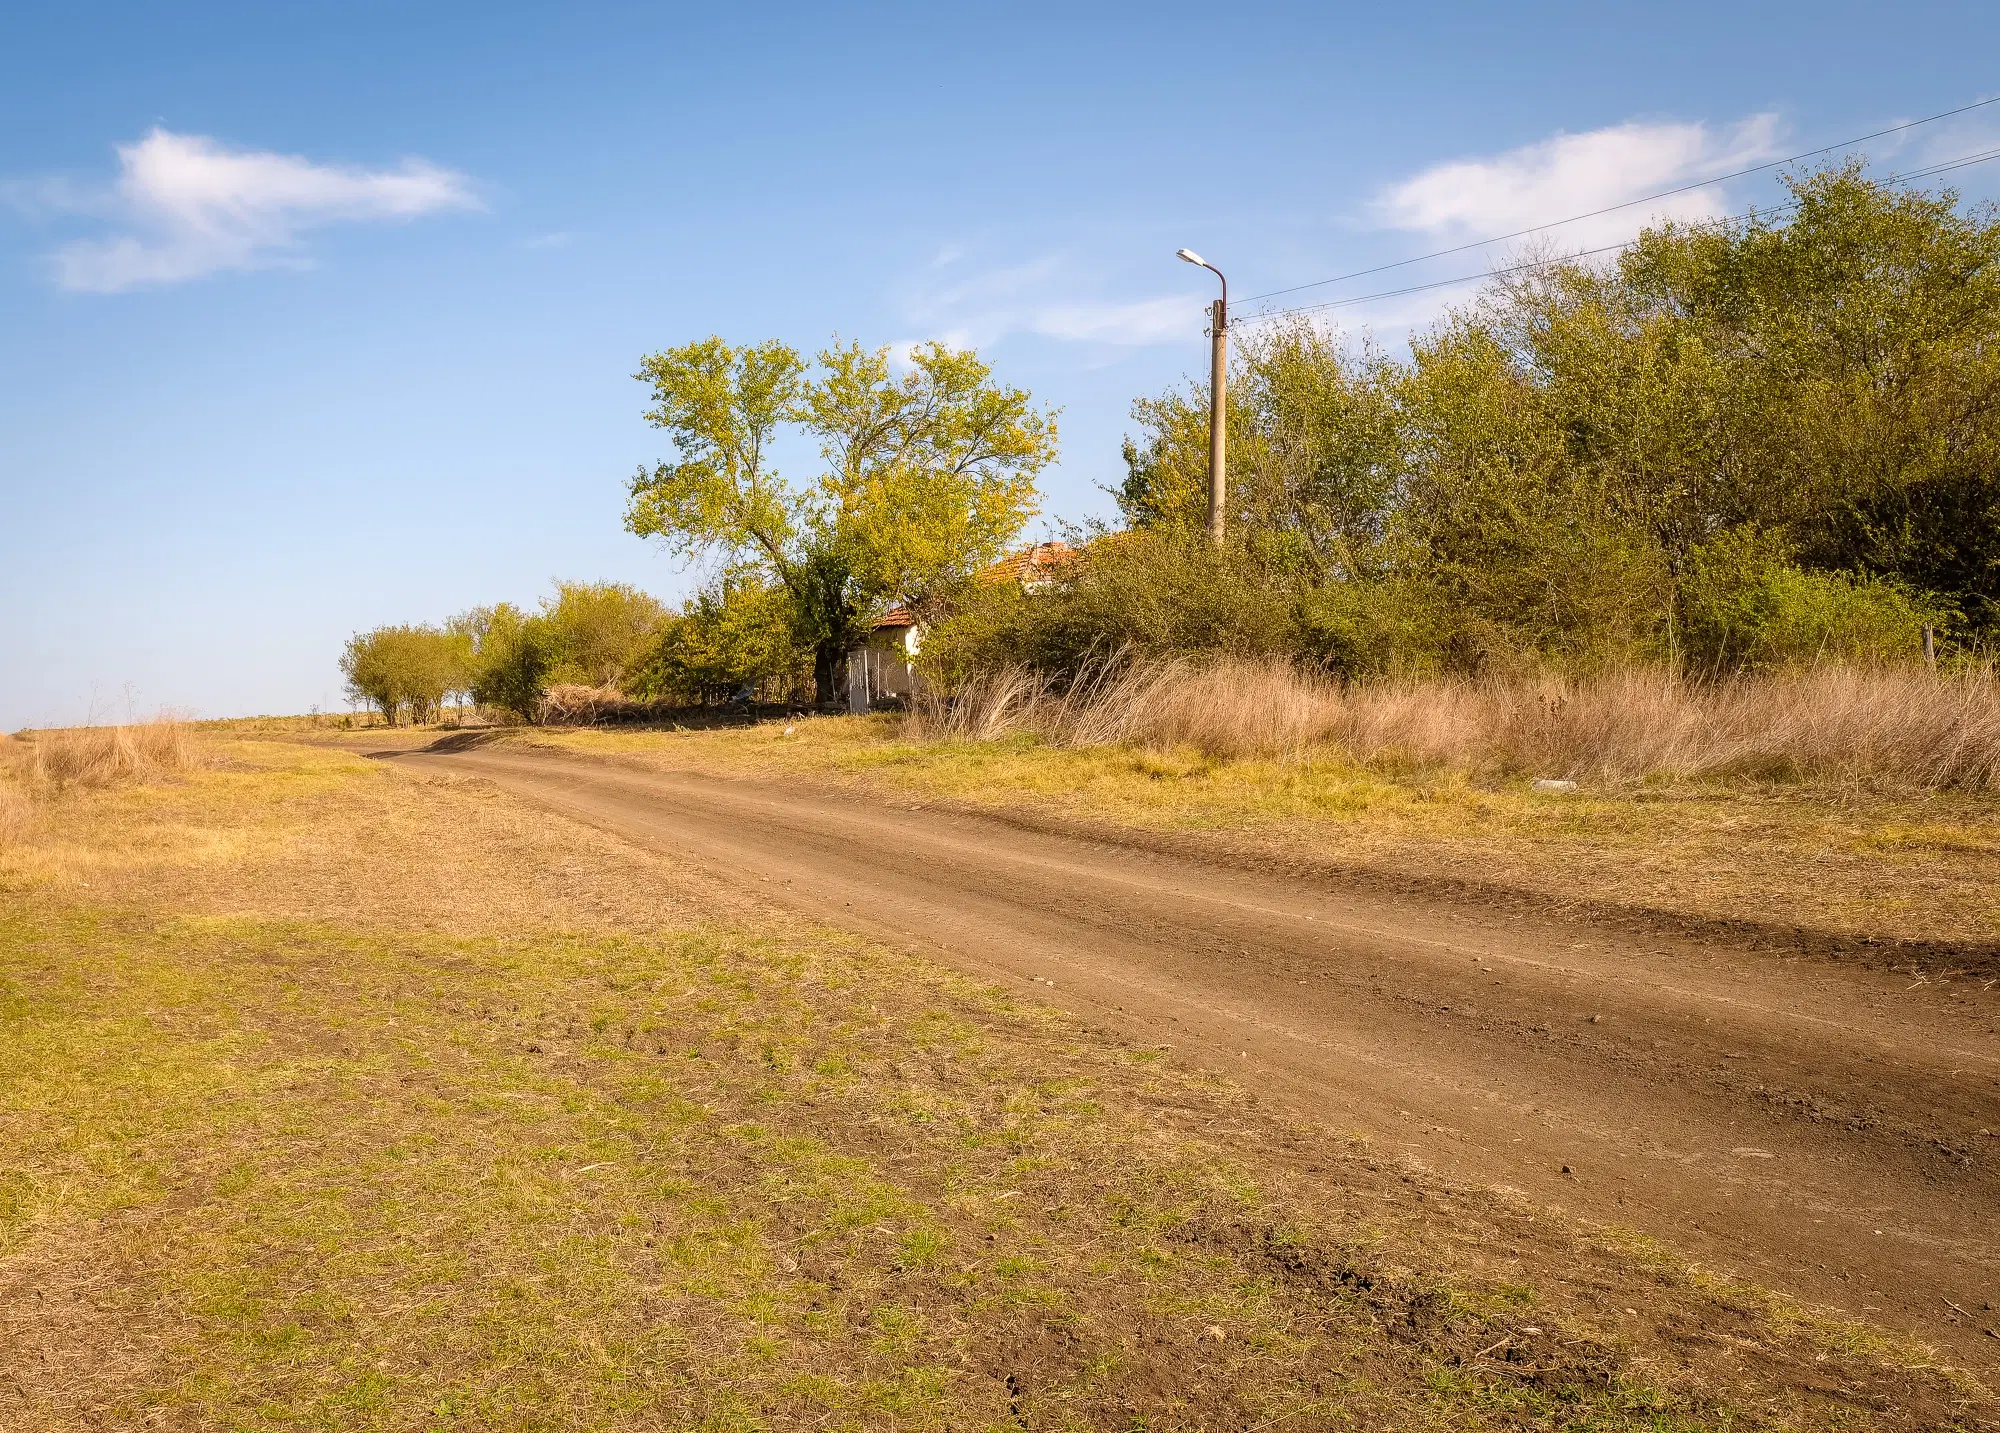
(17, 817)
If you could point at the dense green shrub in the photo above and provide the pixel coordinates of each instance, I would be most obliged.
(512, 653)
(1745, 605)
(1153, 593)
(738, 633)
(597, 632)
(593, 634)
(1169, 592)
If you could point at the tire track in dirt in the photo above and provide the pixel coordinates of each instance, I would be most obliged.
(1829, 1131)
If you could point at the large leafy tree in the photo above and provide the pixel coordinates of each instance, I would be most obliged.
(928, 475)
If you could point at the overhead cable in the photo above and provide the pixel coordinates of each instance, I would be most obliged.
(1626, 204)
(1944, 167)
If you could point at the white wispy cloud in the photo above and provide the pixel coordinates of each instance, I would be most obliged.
(1395, 318)
(1570, 174)
(1464, 200)
(1046, 296)
(1143, 322)
(1955, 139)
(1448, 203)
(185, 206)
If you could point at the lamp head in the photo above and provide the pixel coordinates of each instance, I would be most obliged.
(1192, 257)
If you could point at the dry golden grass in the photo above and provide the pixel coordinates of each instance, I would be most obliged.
(307, 833)
(1915, 729)
(309, 724)
(16, 816)
(295, 1131)
(572, 703)
(16, 809)
(39, 770)
(64, 758)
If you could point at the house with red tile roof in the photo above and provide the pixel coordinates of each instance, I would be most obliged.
(884, 667)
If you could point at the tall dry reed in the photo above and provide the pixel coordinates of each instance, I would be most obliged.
(573, 704)
(17, 816)
(64, 758)
(1904, 727)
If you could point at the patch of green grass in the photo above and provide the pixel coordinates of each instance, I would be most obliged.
(352, 1181)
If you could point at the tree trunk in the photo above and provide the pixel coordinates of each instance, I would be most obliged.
(826, 662)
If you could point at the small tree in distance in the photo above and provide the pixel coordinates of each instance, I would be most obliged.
(394, 668)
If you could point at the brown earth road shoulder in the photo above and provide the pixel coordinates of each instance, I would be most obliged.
(1829, 1131)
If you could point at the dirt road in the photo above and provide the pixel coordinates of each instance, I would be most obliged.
(1826, 1130)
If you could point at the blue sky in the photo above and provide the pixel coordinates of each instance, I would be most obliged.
(314, 318)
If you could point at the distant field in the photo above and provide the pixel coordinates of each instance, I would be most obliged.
(333, 1097)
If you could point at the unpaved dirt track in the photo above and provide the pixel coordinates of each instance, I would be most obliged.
(1833, 1132)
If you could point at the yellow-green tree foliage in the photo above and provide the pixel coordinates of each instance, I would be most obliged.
(510, 658)
(734, 634)
(597, 632)
(594, 633)
(406, 669)
(926, 477)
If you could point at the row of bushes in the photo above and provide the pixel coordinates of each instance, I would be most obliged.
(1160, 592)
(1739, 447)
(500, 656)
(589, 647)
(1167, 592)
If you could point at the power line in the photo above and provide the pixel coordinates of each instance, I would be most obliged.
(1945, 167)
(1627, 204)
(1434, 284)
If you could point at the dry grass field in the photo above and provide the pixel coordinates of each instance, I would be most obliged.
(337, 1098)
(1910, 728)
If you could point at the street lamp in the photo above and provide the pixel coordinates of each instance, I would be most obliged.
(1218, 394)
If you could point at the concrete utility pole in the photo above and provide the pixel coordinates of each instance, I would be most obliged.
(1218, 398)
